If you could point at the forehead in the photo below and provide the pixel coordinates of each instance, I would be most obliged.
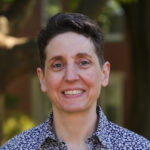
(70, 44)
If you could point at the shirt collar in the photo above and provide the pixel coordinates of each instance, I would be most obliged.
(102, 131)
(48, 130)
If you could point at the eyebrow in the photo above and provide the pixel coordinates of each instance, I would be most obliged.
(83, 55)
(56, 58)
(80, 55)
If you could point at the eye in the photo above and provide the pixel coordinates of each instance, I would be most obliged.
(57, 66)
(84, 63)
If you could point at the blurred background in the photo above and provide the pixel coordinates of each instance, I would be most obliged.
(126, 27)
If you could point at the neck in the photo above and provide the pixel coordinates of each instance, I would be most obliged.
(75, 127)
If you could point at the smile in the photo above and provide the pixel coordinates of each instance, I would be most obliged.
(73, 92)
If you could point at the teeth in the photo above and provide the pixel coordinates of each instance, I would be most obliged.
(73, 92)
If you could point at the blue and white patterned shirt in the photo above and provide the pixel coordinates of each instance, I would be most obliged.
(107, 136)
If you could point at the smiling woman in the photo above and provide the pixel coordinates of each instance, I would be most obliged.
(72, 73)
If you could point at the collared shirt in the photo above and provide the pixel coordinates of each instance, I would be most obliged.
(107, 136)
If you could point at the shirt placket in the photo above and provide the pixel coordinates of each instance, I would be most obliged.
(63, 146)
(89, 143)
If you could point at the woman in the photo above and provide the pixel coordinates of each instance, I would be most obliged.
(72, 73)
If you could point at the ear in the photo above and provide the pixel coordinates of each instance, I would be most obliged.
(105, 74)
(40, 74)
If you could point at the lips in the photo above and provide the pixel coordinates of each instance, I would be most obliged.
(73, 92)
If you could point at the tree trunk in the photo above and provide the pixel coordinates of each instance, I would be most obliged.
(18, 14)
(20, 59)
(138, 19)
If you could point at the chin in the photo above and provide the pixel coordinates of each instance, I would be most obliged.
(74, 109)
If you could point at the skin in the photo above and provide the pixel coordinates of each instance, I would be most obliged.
(73, 79)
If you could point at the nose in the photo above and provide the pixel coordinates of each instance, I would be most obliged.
(71, 73)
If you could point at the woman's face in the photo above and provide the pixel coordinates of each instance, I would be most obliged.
(73, 76)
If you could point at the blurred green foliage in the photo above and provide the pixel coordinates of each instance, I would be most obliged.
(104, 20)
(52, 7)
(15, 124)
(11, 100)
(73, 5)
(6, 1)
(111, 9)
(127, 1)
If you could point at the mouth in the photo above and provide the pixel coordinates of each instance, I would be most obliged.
(73, 92)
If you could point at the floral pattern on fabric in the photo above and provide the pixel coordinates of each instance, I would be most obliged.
(107, 136)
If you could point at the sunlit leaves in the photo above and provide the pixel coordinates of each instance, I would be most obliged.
(16, 123)
(109, 14)
(127, 1)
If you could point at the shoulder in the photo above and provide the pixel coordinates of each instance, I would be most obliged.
(124, 138)
(26, 140)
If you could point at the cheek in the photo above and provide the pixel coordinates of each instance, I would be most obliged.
(92, 78)
(93, 82)
(53, 82)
